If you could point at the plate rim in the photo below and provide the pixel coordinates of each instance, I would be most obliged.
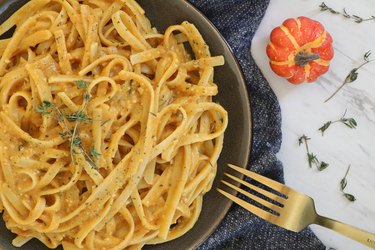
(250, 129)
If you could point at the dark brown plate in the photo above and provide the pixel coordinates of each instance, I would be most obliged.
(232, 95)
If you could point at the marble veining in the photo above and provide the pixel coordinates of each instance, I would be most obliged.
(304, 112)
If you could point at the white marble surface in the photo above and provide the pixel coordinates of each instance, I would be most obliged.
(304, 111)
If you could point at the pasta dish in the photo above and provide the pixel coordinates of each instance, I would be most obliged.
(109, 137)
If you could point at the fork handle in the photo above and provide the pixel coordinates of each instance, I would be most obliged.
(354, 233)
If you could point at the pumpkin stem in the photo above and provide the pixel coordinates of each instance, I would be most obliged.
(303, 58)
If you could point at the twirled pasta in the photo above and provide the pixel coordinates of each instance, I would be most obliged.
(108, 134)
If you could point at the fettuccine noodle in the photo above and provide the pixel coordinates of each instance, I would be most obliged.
(108, 133)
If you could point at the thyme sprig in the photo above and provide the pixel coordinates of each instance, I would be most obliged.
(343, 184)
(75, 141)
(312, 159)
(353, 74)
(344, 13)
(349, 122)
(72, 135)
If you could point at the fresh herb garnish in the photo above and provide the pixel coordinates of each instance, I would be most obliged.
(65, 135)
(344, 13)
(349, 122)
(323, 165)
(71, 135)
(44, 108)
(311, 157)
(350, 197)
(75, 141)
(343, 184)
(86, 97)
(353, 75)
(94, 153)
(104, 122)
(78, 116)
(81, 84)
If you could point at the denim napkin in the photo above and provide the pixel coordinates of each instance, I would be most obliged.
(237, 20)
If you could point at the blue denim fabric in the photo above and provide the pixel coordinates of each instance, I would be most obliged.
(237, 20)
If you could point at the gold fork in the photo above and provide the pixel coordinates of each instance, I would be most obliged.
(288, 208)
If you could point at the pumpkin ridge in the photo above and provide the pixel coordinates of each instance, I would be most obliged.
(316, 43)
(289, 35)
(307, 71)
(272, 45)
(287, 62)
(299, 24)
(322, 62)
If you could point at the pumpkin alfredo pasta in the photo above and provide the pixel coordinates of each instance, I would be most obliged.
(108, 134)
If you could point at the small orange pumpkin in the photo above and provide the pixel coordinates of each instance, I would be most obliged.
(300, 50)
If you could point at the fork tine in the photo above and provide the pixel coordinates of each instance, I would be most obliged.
(261, 179)
(262, 191)
(253, 209)
(255, 198)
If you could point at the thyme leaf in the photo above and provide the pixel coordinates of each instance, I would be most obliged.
(323, 165)
(349, 122)
(86, 97)
(44, 107)
(325, 126)
(343, 184)
(79, 115)
(344, 13)
(343, 181)
(350, 197)
(353, 74)
(65, 135)
(82, 84)
(94, 153)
